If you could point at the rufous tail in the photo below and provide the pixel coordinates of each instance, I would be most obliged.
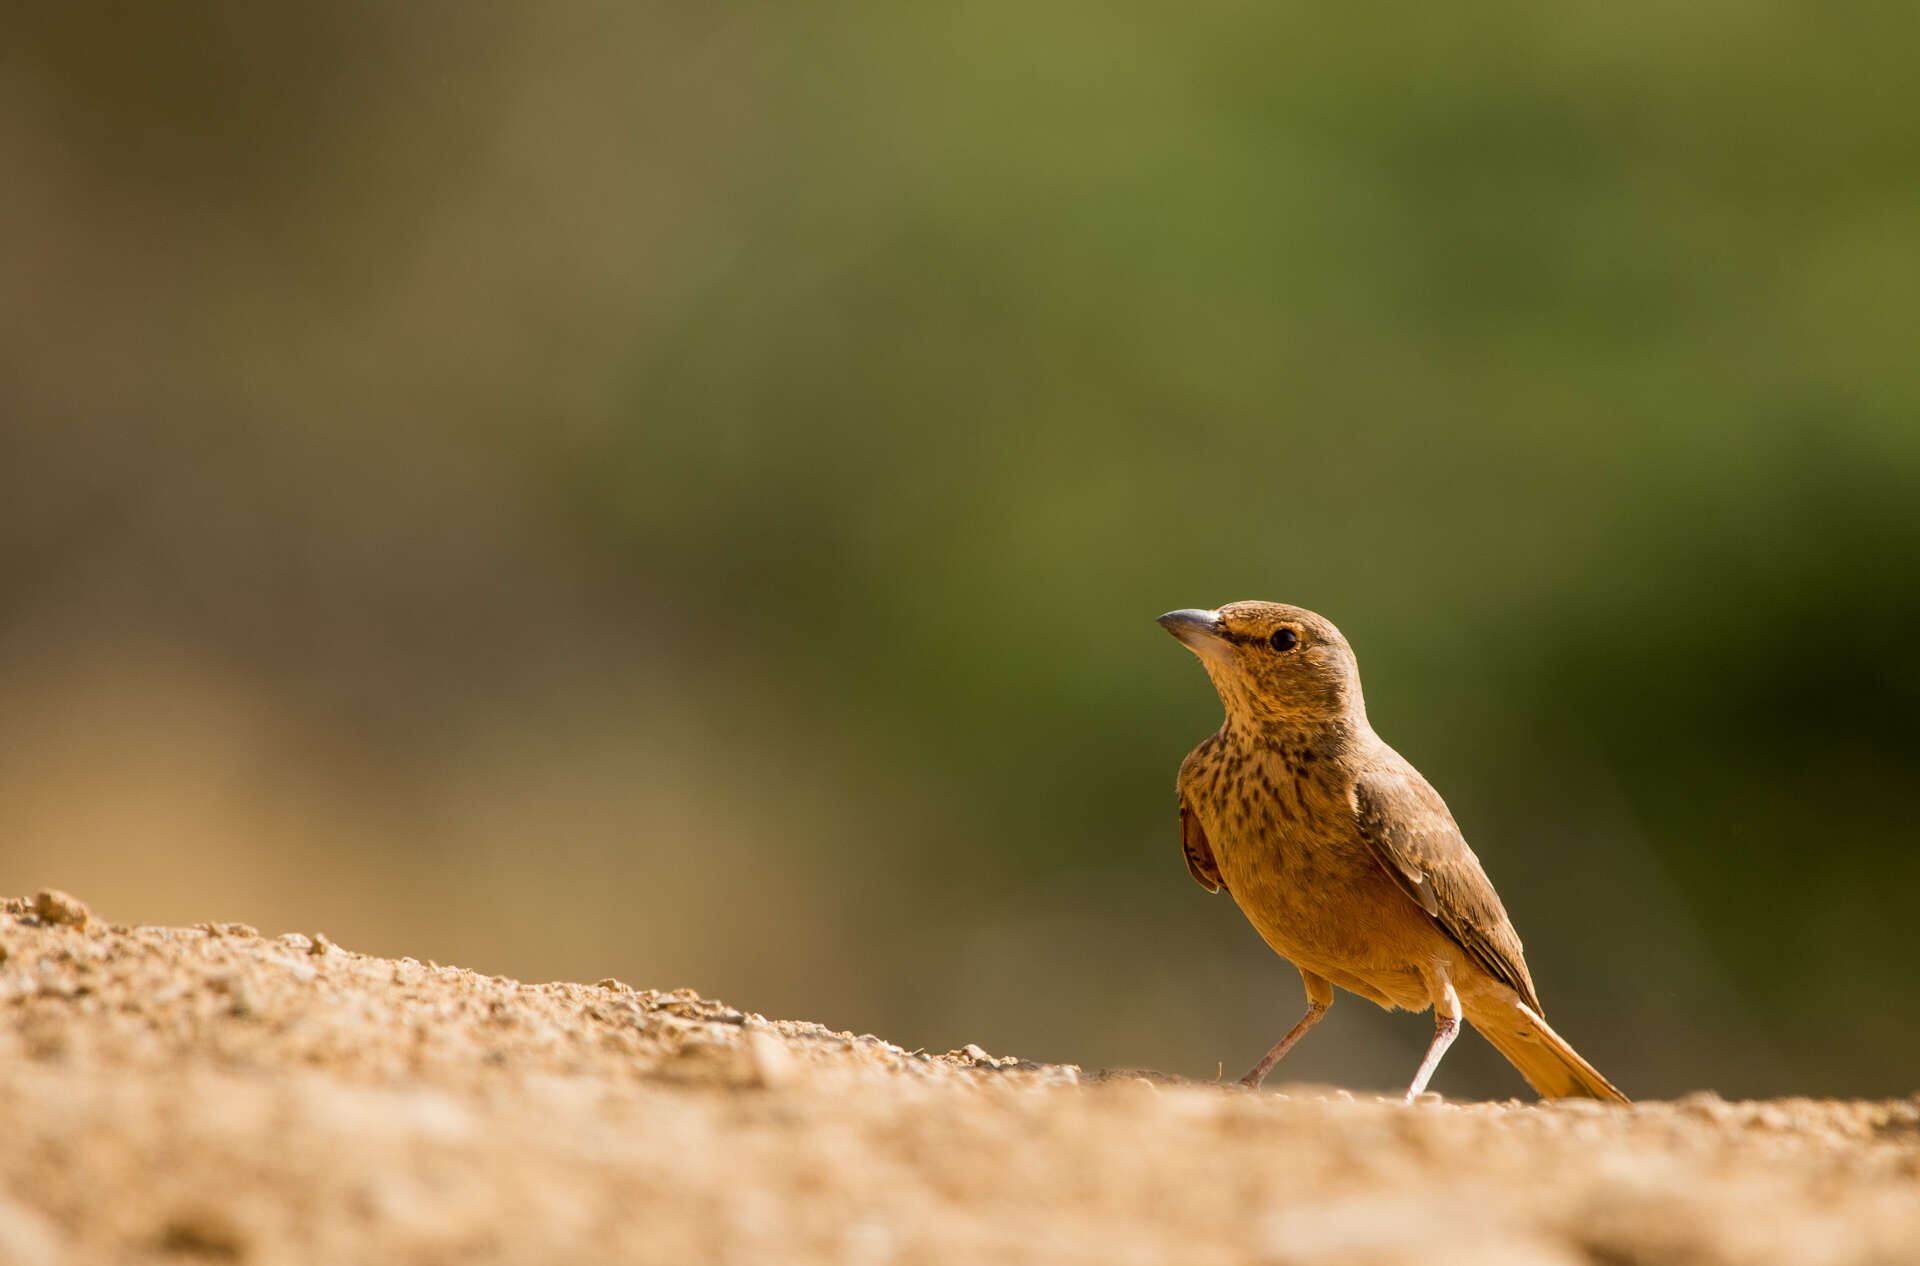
(1543, 1057)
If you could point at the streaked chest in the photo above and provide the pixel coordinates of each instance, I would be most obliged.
(1268, 805)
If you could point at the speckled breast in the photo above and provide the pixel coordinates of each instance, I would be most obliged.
(1294, 861)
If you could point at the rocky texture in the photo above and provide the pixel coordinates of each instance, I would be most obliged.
(170, 1094)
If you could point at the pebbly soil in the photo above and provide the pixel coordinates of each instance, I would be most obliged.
(170, 1094)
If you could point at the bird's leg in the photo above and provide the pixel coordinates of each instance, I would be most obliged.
(1259, 1071)
(1319, 998)
(1446, 1027)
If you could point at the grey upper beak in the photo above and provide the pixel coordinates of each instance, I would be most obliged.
(1190, 624)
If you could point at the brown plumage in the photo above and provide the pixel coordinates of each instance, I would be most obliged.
(1342, 856)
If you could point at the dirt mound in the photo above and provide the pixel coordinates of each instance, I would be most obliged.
(173, 1093)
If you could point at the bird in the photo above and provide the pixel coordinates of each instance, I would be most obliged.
(1345, 860)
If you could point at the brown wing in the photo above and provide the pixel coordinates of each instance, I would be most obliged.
(1193, 841)
(1407, 825)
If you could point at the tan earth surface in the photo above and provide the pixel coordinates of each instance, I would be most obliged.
(179, 1093)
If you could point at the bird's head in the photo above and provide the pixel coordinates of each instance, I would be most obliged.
(1273, 663)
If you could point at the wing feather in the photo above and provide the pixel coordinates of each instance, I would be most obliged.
(1193, 842)
(1406, 823)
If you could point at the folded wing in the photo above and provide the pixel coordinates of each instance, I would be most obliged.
(1409, 829)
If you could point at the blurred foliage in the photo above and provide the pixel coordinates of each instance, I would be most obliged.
(682, 493)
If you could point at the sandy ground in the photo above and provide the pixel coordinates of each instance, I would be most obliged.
(178, 1093)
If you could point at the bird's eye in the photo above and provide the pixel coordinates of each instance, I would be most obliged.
(1283, 640)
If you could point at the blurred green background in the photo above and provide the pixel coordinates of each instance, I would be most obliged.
(681, 492)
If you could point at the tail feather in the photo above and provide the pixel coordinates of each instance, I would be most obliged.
(1543, 1057)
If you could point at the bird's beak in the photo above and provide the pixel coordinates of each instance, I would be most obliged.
(1198, 631)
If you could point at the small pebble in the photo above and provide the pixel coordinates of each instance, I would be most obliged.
(773, 1064)
(60, 909)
